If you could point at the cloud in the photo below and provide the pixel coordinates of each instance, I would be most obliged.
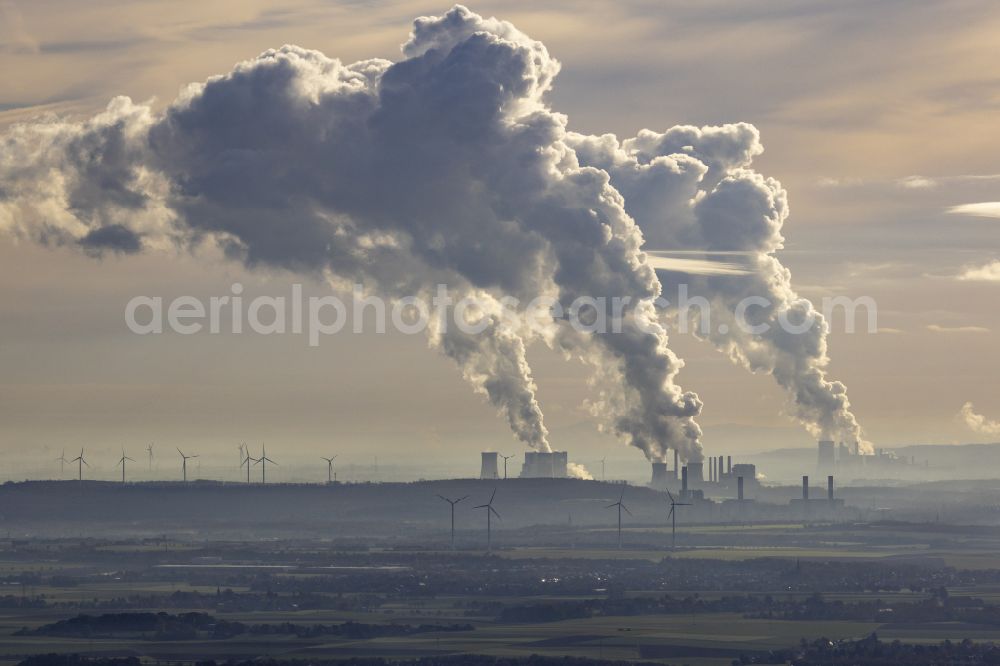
(986, 273)
(978, 422)
(446, 167)
(935, 328)
(917, 183)
(984, 209)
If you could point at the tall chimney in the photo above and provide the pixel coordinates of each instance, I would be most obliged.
(829, 488)
(805, 488)
(684, 479)
(739, 487)
(718, 477)
(489, 469)
(729, 465)
(677, 462)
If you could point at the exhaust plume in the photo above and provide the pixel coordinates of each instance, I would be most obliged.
(978, 422)
(693, 189)
(447, 167)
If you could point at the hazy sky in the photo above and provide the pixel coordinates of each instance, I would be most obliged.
(878, 117)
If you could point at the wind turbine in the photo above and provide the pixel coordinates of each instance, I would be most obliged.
(62, 462)
(673, 519)
(246, 461)
(453, 503)
(122, 463)
(329, 468)
(620, 506)
(505, 459)
(263, 460)
(184, 463)
(149, 450)
(79, 459)
(490, 512)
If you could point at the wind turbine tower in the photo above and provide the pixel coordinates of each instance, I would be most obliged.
(453, 503)
(79, 459)
(505, 459)
(263, 460)
(620, 506)
(490, 512)
(329, 468)
(184, 463)
(673, 519)
(121, 462)
(62, 462)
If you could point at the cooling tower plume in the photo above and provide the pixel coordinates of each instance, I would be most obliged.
(447, 167)
(693, 189)
(978, 422)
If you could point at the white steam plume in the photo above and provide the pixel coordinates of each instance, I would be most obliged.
(978, 422)
(693, 188)
(447, 167)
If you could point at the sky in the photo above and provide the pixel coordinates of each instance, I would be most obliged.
(878, 118)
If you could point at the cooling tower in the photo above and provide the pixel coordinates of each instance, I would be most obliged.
(696, 476)
(660, 476)
(545, 465)
(560, 463)
(825, 455)
(489, 468)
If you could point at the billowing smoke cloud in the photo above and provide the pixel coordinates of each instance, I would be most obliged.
(978, 422)
(693, 189)
(447, 167)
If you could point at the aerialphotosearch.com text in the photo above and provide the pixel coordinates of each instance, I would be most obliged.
(318, 316)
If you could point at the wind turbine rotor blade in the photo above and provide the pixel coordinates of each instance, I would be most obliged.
(670, 496)
(626, 510)
(493, 495)
(669, 515)
(496, 513)
(461, 498)
(611, 506)
(482, 506)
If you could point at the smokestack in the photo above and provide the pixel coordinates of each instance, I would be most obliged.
(489, 469)
(739, 488)
(829, 488)
(677, 463)
(805, 488)
(659, 479)
(729, 465)
(711, 469)
(684, 479)
(718, 476)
